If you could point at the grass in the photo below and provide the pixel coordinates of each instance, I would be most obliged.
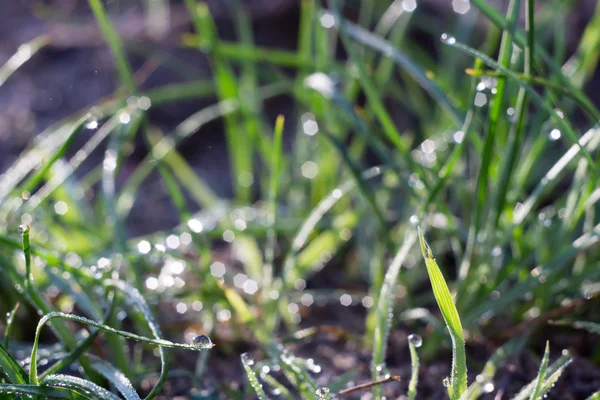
(491, 146)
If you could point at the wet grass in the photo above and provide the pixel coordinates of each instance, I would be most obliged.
(490, 146)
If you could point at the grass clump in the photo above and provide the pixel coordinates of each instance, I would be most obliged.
(491, 145)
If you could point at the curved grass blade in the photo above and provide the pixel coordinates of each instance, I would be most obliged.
(247, 362)
(34, 390)
(70, 317)
(595, 396)
(134, 296)
(117, 378)
(414, 377)
(76, 353)
(82, 386)
(458, 377)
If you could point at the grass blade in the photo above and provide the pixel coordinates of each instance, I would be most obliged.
(9, 324)
(23, 54)
(247, 362)
(535, 394)
(117, 378)
(33, 390)
(114, 43)
(82, 386)
(458, 378)
(11, 367)
(414, 341)
(384, 311)
(70, 317)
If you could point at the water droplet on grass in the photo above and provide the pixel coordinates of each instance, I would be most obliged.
(447, 39)
(323, 393)
(23, 228)
(202, 342)
(415, 340)
(487, 386)
(446, 382)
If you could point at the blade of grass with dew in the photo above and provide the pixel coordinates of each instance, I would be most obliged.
(517, 291)
(247, 363)
(552, 177)
(116, 378)
(283, 391)
(43, 306)
(10, 320)
(135, 298)
(75, 162)
(23, 54)
(543, 103)
(33, 390)
(414, 377)
(458, 378)
(520, 40)
(82, 386)
(11, 367)
(516, 130)
(560, 364)
(496, 109)
(161, 343)
(384, 310)
(76, 353)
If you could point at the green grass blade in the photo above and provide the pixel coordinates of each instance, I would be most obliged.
(82, 386)
(458, 378)
(384, 311)
(595, 396)
(116, 46)
(11, 367)
(10, 319)
(544, 104)
(23, 54)
(557, 367)
(70, 317)
(247, 363)
(273, 206)
(33, 390)
(413, 341)
(117, 378)
(377, 43)
(535, 394)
